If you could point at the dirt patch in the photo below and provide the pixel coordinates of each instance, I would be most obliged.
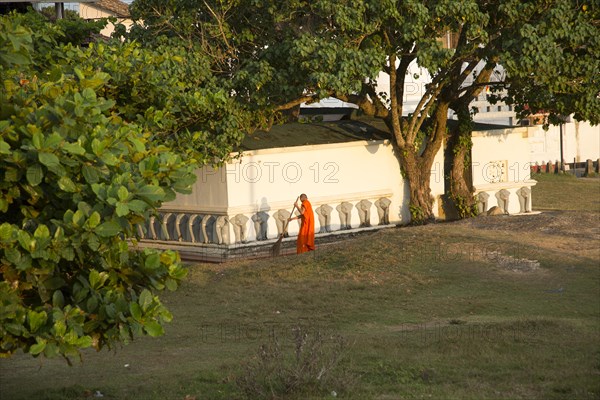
(581, 224)
(510, 263)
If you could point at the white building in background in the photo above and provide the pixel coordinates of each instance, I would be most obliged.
(581, 141)
(415, 86)
(351, 176)
(97, 9)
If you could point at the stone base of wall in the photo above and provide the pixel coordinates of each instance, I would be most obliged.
(218, 253)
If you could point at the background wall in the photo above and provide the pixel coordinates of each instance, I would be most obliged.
(508, 146)
(581, 141)
(270, 180)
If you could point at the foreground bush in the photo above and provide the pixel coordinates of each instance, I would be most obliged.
(77, 180)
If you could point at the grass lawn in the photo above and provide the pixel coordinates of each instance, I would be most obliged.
(494, 307)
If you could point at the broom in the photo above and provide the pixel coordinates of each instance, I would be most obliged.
(276, 250)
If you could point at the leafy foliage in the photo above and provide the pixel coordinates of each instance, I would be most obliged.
(88, 140)
(552, 60)
(274, 55)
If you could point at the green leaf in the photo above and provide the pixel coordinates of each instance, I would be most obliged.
(78, 73)
(51, 350)
(4, 147)
(171, 284)
(92, 304)
(93, 242)
(153, 328)
(52, 140)
(138, 206)
(90, 174)
(108, 229)
(79, 218)
(145, 299)
(138, 145)
(94, 279)
(13, 256)
(123, 193)
(177, 272)
(109, 159)
(37, 348)
(66, 184)
(151, 193)
(152, 261)
(84, 342)
(6, 231)
(93, 220)
(37, 139)
(35, 174)
(49, 160)
(54, 283)
(42, 232)
(60, 328)
(24, 239)
(36, 320)
(136, 311)
(58, 299)
(122, 209)
(74, 148)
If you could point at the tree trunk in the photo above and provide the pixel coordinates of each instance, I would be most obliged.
(458, 185)
(416, 166)
(418, 178)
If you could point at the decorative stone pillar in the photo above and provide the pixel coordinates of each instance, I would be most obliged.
(222, 229)
(178, 223)
(524, 195)
(503, 196)
(482, 202)
(383, 210)
(140, 230)
(589, 168)
(239, 227)
(260, 225)
(158, 228)
(281, 216)
(194, 222)
(324, 214)
(168, 226)
(345, 211)
(152, 230)
(204, 224)
(364, 212)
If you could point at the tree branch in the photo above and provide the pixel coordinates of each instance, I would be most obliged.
(295, 102)
(396, 127)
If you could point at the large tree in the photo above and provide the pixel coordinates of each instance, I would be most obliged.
(542, 58)
(278, 54)
(92, 141)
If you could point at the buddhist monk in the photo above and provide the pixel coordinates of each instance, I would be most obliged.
(306, 236)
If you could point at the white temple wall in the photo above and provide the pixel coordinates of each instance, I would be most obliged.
(500, 155)
(209, 193)
(358, 184)
(501, 168)
(271, 179)
(581, 141)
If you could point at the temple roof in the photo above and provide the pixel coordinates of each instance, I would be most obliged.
(314, 133)
(119, 8)
(303, 134)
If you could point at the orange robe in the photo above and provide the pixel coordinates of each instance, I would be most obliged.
(306, 236)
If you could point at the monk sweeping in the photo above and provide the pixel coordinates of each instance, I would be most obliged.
(306, 236)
